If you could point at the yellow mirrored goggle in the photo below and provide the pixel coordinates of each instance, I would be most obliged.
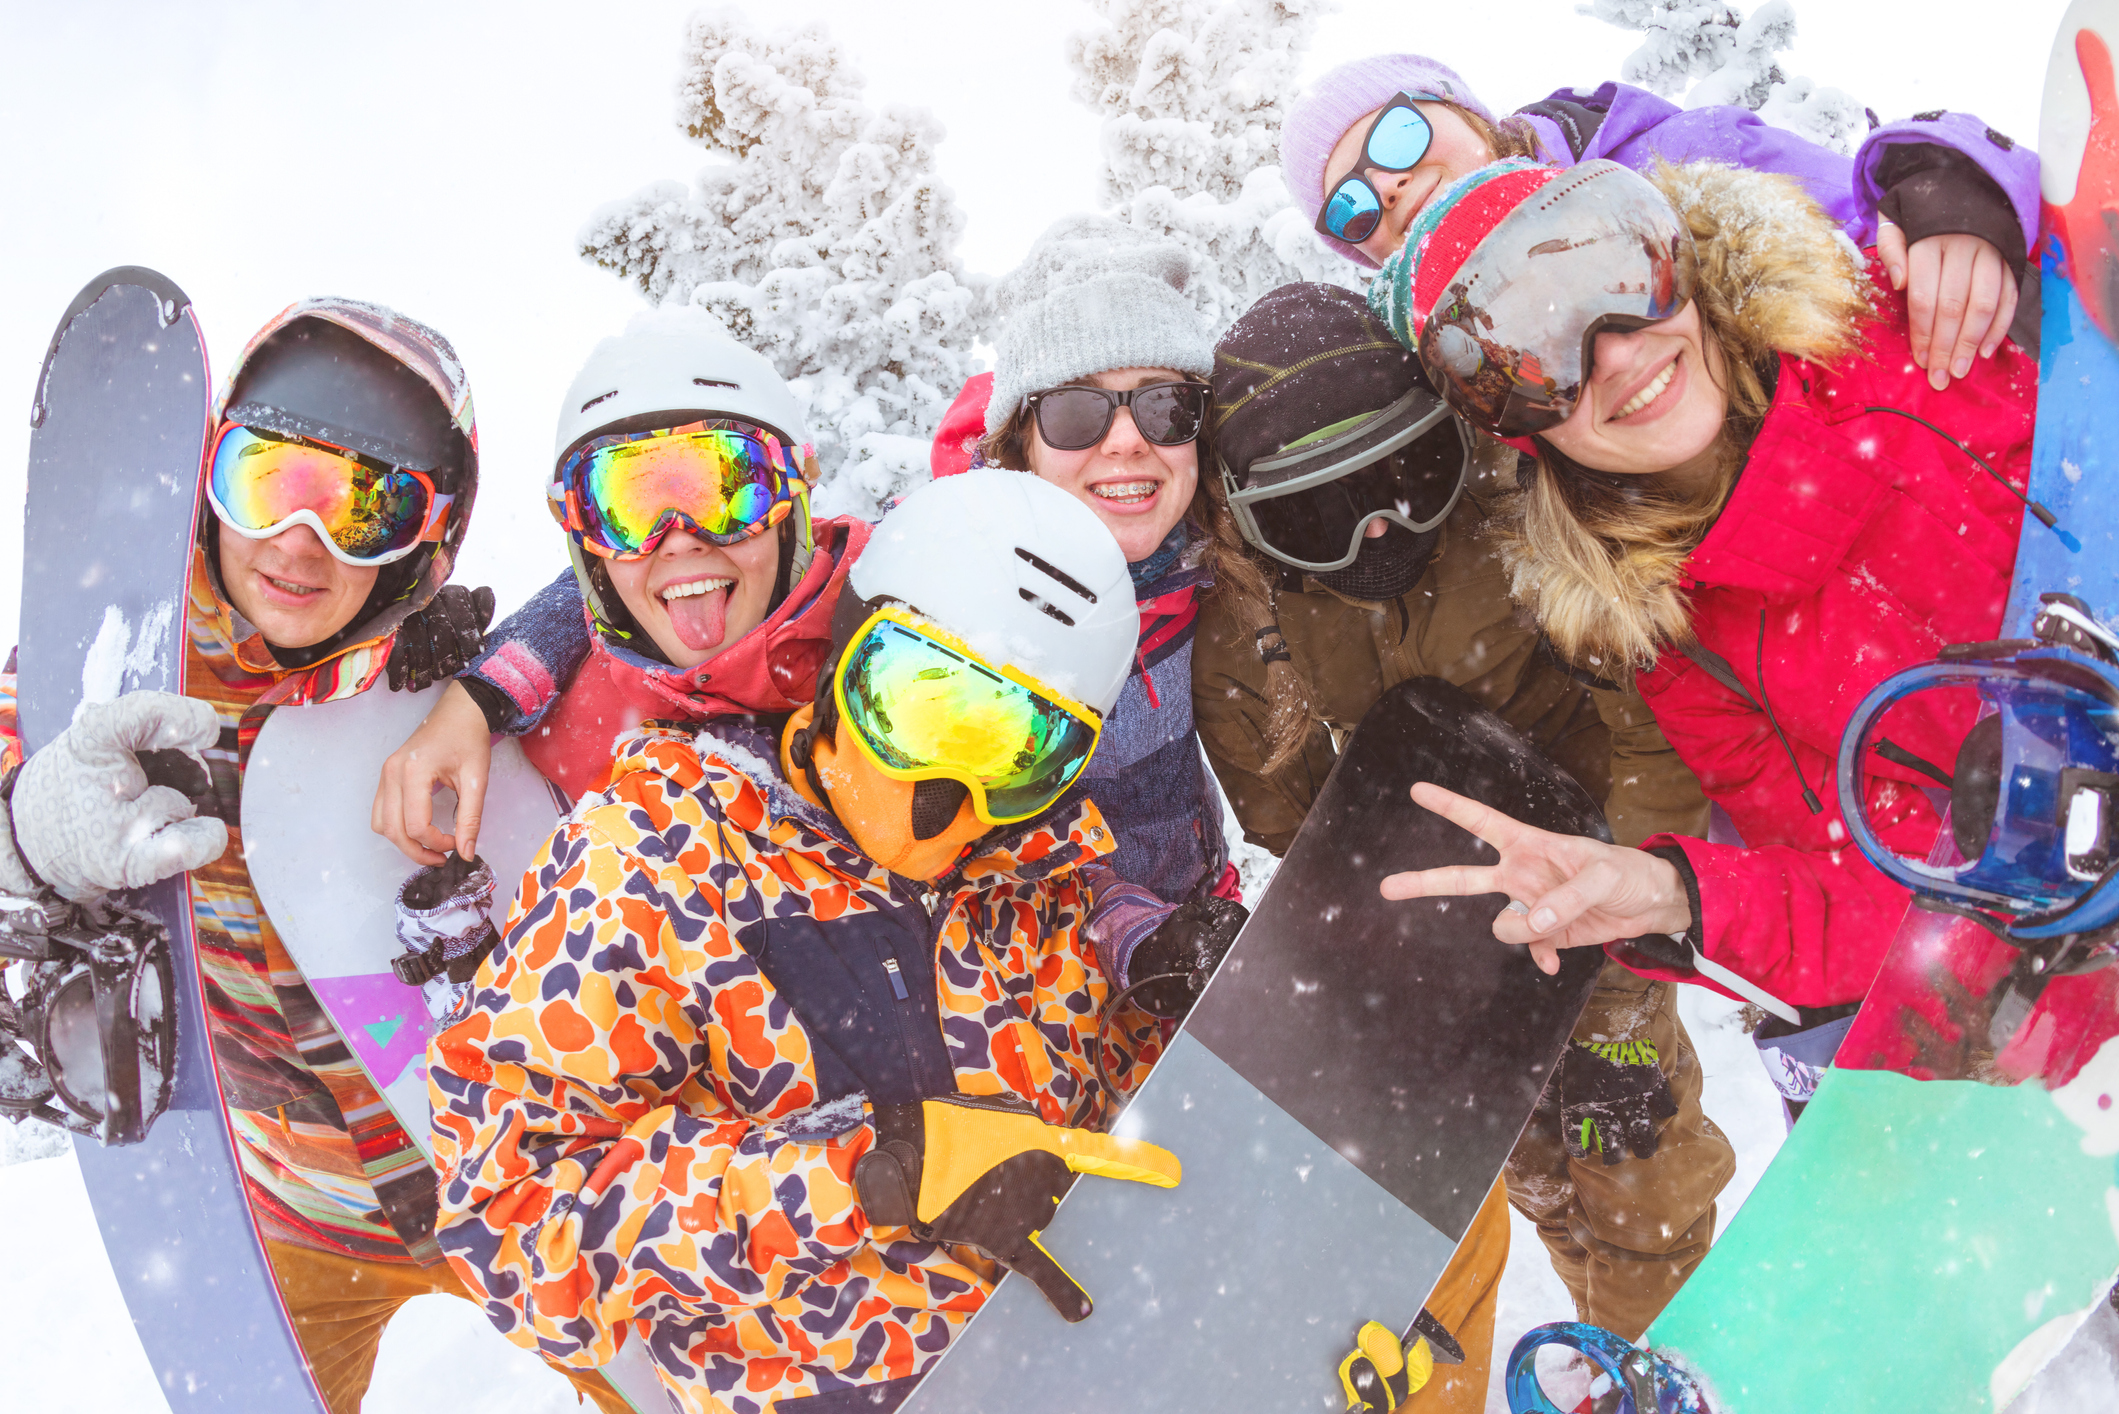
(923, 705)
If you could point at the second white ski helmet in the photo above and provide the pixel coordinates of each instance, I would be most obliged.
(1017, 568)
(676, 359)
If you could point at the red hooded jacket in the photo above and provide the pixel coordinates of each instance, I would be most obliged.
(1856, 544)
(771, 669)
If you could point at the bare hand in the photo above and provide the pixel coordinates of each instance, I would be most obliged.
(1579, 892)
(1959, 294)
(451, 748)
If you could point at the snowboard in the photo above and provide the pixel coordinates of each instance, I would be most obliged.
(329, 883)
(1946, 1212)
(119, 420)
(1342, 1097)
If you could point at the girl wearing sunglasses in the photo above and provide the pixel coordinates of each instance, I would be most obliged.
(699, 586)
(1744, 497)
(1950, 204)
(1100, 389)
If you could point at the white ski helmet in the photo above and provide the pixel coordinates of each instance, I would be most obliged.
(675, 359)
(678, 358)
(1018, 569)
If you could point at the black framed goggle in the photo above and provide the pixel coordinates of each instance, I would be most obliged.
(88, 1038)
(1077, 417)
(1311, 506)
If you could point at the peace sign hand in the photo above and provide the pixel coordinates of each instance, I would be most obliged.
(1577, 892)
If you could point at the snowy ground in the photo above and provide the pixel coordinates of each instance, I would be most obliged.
(68, 1347)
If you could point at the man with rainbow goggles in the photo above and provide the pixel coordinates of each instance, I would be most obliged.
(699, 585)
(769, 926)
(342, 466)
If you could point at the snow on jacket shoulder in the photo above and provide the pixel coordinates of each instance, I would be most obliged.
(653, 1108)
(1632, 126)
(1857, 543)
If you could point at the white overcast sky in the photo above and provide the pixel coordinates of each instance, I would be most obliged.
(439, 155)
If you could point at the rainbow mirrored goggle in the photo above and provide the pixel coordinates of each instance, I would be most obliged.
(722, 482)
(923, 705)
(367, 512)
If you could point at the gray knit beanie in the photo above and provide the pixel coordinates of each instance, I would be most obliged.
(1094, 294)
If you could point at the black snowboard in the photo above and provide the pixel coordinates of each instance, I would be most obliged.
(122, 410)
(1342, 1098)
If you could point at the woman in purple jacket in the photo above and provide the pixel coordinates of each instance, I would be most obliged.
(1950, 204)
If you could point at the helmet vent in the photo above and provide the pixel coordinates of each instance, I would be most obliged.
(1042, 607)
(1056, 574)
(599, 398)
(716, 383)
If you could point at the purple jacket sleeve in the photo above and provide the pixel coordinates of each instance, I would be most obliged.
(2013, 166)
(531, 657)
(1633, 126)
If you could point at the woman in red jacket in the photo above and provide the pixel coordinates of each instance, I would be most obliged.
(1741, 490)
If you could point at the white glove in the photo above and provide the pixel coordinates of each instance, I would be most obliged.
(85, 817)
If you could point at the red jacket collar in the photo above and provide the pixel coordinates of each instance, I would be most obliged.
(773, 668)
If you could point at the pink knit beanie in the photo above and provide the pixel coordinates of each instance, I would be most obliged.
(1317, 120)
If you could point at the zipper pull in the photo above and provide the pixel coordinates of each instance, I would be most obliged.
(897, 980)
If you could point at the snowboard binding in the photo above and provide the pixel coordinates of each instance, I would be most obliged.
(1609, 1375)
(88, 1037)
(2032, 853)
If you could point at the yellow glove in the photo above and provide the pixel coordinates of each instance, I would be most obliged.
(1383, 1370)
(987, 1172)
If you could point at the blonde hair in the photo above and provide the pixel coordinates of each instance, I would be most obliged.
(1597, 557)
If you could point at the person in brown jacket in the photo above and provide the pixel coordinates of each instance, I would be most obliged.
(1349, 507)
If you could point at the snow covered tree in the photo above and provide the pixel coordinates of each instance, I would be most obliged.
(1192, 93)
(1734, 58)
(822, 238)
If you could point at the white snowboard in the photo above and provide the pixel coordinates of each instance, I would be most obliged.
(329, 883)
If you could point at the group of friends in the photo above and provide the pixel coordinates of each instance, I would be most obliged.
(803, 1019)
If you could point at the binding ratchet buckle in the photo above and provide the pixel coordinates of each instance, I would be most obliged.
(2032, 853)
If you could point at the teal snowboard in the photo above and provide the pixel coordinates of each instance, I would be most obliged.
(1927, 1240)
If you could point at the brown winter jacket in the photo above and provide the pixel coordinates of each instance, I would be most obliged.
(1457, 624)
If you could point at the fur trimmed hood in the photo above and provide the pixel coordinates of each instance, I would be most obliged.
(1599, 560)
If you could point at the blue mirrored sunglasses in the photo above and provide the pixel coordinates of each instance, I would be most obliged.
(1397, 140)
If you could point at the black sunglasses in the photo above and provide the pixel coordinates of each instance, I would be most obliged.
(1076, 417)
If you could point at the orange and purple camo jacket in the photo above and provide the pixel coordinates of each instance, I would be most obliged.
(651, 1113)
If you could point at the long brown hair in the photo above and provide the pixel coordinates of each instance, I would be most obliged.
(1597, 557)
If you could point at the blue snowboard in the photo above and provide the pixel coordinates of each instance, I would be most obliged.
(120, 420)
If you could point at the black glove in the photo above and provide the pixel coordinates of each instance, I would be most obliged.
(1190, 944)
(986, 1172)
(440, 640)
(1612, 1097)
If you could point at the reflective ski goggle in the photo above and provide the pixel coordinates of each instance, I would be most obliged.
(367, 512)
(923, 705)
(1310, 506)
(1076, 417)
(2034, 793)
(89, 1044)
(1511, 341)
(1396, 141)
(721, 481)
